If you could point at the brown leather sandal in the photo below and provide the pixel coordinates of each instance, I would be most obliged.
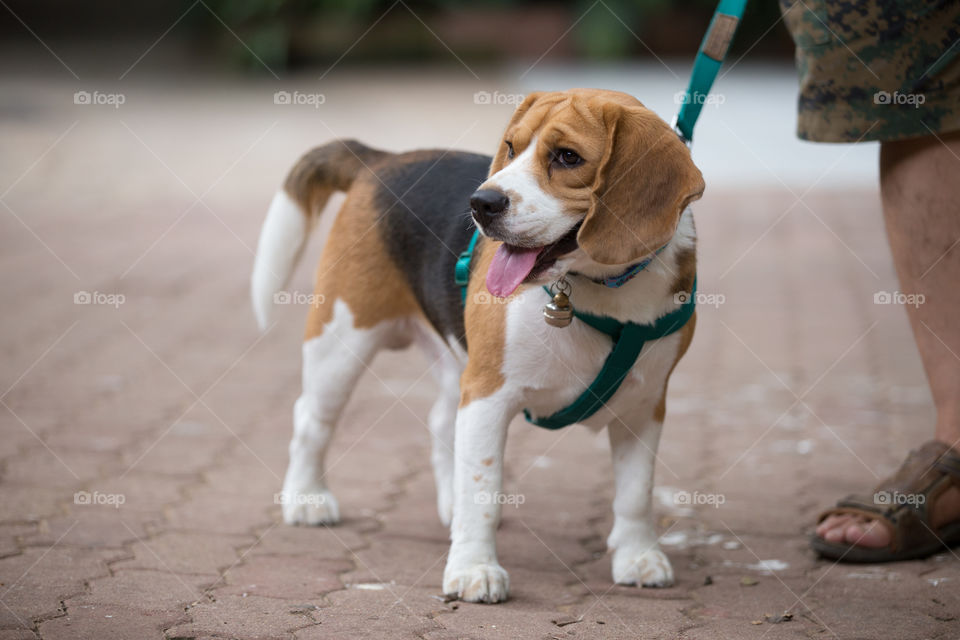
(902, 504)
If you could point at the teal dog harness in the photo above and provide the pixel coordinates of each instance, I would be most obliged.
(628, 340)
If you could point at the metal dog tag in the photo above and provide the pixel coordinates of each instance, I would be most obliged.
(559, 312)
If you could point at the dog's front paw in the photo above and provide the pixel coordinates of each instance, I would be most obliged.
(477, 583)
(310, 508)
(646, 567)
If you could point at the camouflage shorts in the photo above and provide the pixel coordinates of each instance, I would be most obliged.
(876, 70)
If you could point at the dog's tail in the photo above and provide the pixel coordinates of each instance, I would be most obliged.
(295, 209)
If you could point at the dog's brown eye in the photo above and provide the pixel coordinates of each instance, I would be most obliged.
(509, 149)
(567, 158)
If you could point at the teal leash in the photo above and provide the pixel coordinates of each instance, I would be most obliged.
(629, 338)
(707, 65)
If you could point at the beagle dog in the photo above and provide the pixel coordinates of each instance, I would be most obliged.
(585, 184)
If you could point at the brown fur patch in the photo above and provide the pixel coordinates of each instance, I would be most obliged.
(322, 170)
(686, 337)
(644, 183)
(486, 327)
(686, 274)
(356, 268)
(686, 271)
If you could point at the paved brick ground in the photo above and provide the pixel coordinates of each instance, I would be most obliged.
(798, 389)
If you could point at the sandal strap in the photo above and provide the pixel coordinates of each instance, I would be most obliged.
(902, 501)
(949, 463)
(921, 469)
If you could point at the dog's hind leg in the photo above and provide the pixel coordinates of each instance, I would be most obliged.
(332, 363)
(446, 366)
(442, 421)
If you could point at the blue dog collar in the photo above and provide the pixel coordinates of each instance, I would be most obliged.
(617, 281)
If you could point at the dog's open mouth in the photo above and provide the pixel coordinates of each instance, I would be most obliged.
(513, 265)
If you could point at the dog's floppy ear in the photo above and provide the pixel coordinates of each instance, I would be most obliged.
(500, 159)
(645, 181)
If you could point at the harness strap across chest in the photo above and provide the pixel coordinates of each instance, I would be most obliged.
(628, 340)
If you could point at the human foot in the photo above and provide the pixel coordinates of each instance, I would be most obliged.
(913, 514)
(871, 533)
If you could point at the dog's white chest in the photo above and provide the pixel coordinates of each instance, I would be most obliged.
(551, 366)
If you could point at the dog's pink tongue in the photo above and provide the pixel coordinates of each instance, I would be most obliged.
(509, 267)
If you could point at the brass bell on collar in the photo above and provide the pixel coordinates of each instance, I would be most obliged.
(558, 312)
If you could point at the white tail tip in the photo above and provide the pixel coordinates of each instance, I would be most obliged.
(282, 238)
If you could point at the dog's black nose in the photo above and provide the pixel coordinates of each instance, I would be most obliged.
(487, 204)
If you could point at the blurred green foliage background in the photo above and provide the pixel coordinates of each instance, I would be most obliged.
(292, 34)
(287, 34)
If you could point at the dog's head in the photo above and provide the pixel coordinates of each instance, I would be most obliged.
(582, 175)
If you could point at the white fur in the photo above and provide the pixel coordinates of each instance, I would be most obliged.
(545, 369)
(332, 364)
(536, 217)
(554, 367)
(637, 558)
(447, 365)
(282, 237)
(472, 572)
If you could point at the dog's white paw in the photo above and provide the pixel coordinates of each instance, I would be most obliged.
(310, 508)
(646, 567)
(477, 583)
